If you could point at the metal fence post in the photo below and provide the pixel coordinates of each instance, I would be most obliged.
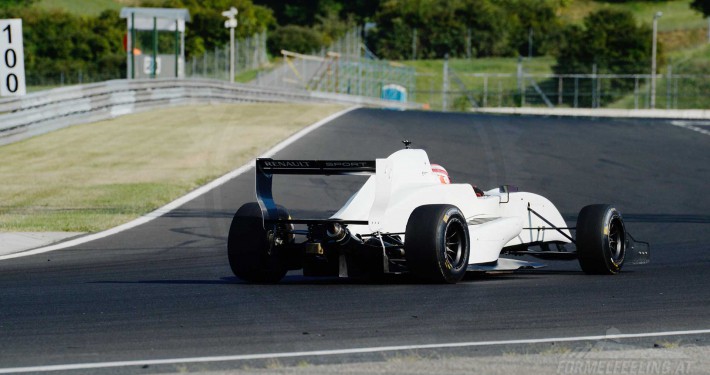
(559, 91)
(485, 91)
(414, 44)
(445, 88)
(500, 93)
(599, 91)
(227, 66)
(594, 94)
(359, 77)
(576, 91)
(216, 62)
(668, 86)
(520, 80)
(675, 94)
(648, 95)
(636, 91)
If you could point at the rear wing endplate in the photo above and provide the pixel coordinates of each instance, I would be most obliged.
(267, 168)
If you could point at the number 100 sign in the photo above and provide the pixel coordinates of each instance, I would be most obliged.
(12, 58)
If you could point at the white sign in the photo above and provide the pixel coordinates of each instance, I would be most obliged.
(148, 65)
(12, 58)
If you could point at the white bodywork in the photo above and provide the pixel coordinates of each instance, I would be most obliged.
(405, 181)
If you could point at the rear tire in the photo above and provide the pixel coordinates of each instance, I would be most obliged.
(601, 240)
(254, 255)
(437, 243)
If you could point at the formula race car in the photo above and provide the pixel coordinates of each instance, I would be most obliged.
(409, 218)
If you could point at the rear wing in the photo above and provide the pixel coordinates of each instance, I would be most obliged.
(315, 167)
(267, 168)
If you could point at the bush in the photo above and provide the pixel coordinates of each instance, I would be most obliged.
(293, 38)
(702, 6)
(207, 31)
(538, 16)
(611, 40)
(59, 43)
(498, 28)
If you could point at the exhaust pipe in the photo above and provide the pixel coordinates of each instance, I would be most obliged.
(337, 232)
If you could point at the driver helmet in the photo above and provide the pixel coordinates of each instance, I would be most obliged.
(441, 173)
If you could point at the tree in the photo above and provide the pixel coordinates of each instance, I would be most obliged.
(16, 3)
(58, 43)
(207, 30)
(294, 38)
(540, 17)
(613, 42)
(307, 12)
(702, 6)
(497, 28)
(441, 28)
(489, 23)
(363, 10)
(611, 39)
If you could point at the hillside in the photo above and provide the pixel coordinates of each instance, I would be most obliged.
(680, 27)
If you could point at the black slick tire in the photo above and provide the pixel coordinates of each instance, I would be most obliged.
(601, 240)
(253, 256)
(437, 243)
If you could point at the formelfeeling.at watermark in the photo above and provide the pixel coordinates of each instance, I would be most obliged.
(611, 357)
(624, 366)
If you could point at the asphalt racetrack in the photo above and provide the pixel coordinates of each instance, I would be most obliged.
(164, 289)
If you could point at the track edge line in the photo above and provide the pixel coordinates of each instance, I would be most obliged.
(185, 198)
(245, 357)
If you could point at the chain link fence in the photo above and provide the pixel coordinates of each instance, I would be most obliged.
(67, 77)
(462, 91)
(346, 67)
(249, 53)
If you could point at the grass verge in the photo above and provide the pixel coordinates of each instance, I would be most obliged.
(86, 7)
(91, 177)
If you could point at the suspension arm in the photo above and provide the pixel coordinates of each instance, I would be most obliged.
(551, 225)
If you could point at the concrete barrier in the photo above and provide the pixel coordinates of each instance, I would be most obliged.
(684, 114)
(45, 111)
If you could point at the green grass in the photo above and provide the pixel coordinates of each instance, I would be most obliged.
(91, 177)
(430, 79)
(677, 14)
(85, 7)
(680, 27)
(246, 76)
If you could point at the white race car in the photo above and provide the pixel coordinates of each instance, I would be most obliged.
(409, 218)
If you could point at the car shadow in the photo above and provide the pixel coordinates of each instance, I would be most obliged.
(471, 277)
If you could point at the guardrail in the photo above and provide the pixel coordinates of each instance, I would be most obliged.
(45, 111)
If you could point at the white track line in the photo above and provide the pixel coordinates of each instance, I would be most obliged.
(692, 125)
(318, 353)
(184, 199)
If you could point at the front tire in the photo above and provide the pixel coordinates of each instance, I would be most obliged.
(437, 243)
(255, 253)
(601, 240)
